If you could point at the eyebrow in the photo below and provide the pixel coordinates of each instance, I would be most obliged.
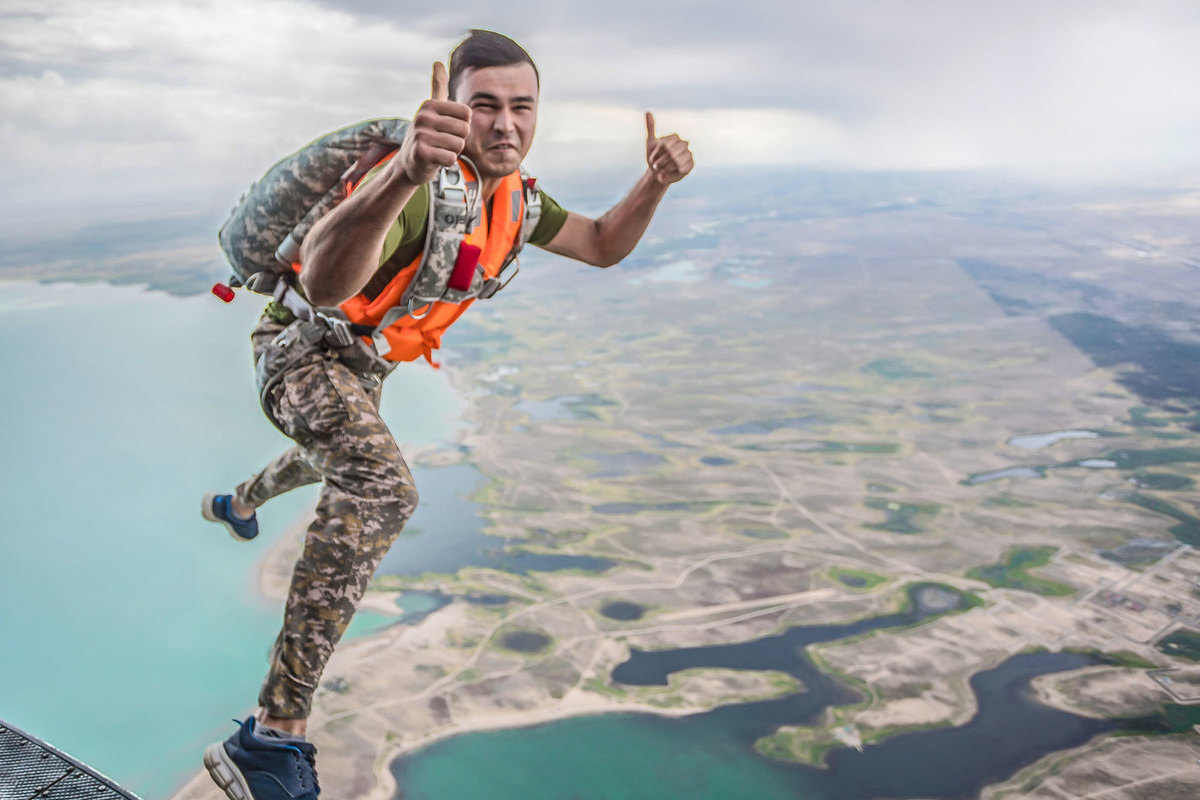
(495, 99)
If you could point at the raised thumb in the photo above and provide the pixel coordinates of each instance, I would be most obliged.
(440, 90)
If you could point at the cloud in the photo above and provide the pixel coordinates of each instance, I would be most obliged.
(181, 103)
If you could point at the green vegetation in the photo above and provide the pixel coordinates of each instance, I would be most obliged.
(1013, 573)
(901, 517)
(800, 745)
(1161, 481)
(1007, 501)
(1174, 718)
(763, 533)
(1181, 644)
(1135, 459)
(1188, 529)
(1181, 718)
(1139, 417)
(433, 671)
(525, 642)
(390, 583)
(1124, 658)
(873, 735)
(857, 578)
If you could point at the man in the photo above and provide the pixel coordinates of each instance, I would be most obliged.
(359, 257)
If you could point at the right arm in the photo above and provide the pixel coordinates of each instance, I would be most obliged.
(341, 252)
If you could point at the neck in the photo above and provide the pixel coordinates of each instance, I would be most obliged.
(488, 187)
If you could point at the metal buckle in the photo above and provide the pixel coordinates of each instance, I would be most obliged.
(412, 309)
(339, 330)
(493, 285)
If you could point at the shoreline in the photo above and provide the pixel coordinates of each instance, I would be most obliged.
(586, 705)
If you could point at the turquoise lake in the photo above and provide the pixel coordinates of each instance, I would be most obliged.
(132, 628)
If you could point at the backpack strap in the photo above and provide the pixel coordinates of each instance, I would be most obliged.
(340, 331)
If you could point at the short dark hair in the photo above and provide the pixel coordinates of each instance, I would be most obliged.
(484, 48)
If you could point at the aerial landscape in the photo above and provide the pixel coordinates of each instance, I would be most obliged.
(851, 478)
(873, 471)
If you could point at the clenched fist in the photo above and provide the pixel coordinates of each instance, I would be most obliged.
(668, 157)
(437, 133)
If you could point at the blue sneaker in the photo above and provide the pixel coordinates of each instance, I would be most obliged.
(250, 766)
(219, 508)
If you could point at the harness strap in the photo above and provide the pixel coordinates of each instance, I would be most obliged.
(455, 207)
(341, 332)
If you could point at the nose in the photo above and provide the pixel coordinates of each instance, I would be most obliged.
(503, 121)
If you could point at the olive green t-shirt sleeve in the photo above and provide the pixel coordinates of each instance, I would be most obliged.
(550, 223)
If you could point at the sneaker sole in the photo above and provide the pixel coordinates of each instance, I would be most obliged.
(225, 773)
(207, 512)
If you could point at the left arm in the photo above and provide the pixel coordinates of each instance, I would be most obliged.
(605, 241)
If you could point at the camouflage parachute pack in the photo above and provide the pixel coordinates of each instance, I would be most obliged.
(261, 238)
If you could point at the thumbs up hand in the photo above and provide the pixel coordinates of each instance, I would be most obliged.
(668, 157)
(437, 134)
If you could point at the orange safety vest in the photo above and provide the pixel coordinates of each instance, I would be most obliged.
(495, 236)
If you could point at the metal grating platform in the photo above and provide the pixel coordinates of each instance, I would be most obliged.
(30, 769)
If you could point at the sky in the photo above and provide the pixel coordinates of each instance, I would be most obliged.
(131, 108)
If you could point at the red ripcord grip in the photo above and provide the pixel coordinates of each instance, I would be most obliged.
(464, 267)
(223, 292)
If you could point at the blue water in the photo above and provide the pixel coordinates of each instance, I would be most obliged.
(411, 608)
(131, 628)
(446, 533)
(711, 756)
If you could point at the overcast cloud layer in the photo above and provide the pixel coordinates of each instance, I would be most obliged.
(152, 106)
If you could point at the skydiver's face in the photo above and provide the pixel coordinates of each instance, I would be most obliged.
(503, 103)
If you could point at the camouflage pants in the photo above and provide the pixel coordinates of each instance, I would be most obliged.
(332, 413)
